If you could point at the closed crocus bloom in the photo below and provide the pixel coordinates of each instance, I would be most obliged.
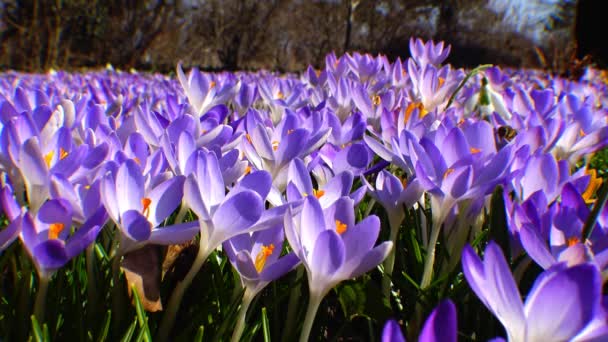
(332, 247)
(563, 305)
(440, 326)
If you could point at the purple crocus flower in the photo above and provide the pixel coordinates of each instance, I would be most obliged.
(256, 257)
(203, 90)
(429, 52)
(577, 315)
(12, 211)
(332, 247)
(440, 326)
(221, 216)
(47, 235)
(139, 206)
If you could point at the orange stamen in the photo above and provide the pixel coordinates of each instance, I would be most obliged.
(275, 145)
(260, 259)
(572, 241)
(340, 227)
(212, 85)
(377, 100)
(474, 150)
(318, 193)
(248, 138)
(447, 173)
(280, 95)
(581, 133)
(248, 169)
(55, 229)
(289, 131)
(145, 202)
(137, 160)
(441, 81)
(62, 153)
(594, 184)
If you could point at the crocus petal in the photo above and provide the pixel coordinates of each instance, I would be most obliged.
(235, 216)
(136, 226)
(50, 254)
(536, 246)
(311, 222)
(280, 267)
(299, 175)
(164, 199)
(578, 289)
(10, 233)
(245, 266)
(441, 325)
(392, 332)
(194, 200)
(174, 234)
(129, 186)
(372, 259)
(258, 181)
(325, 260)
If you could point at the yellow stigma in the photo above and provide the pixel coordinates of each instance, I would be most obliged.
(212, 85)
(137, 160)
(55, 229)
(203, 131)
(594, 184)
(447, 173)
(280, 95)
(263, 254)
(340, 227)
(248, 138)
(318, 193)
(145, 202)
(248, 169)
(275, 145)
(62, 153)
(581, 133)
(474, 150)
(410, 108)
(377, 100)
(48, 158)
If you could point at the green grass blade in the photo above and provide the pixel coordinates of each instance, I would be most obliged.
(105, 327)
(129, 334)
(265, 325)
(142, 317)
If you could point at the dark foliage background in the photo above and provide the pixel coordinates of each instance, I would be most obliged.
(283, 35)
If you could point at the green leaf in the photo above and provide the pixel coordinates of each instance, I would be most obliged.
(199, 334)
(499, 231)
(129, 334)
(105, 327)
(38, 336)
(265, 325)
(141, 316)
(352, 299)
(464, 81)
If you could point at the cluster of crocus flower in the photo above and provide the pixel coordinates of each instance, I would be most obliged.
(267, 165)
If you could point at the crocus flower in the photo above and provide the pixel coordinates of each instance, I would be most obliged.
(332, 247)
(256, 257)
(577, 315)
(203, 90)
(139, 206)
(13, 213)
(47, 235)
(440, 326)
(429, 52)
(221, 216)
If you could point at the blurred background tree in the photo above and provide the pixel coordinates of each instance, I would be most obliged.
(288, 35)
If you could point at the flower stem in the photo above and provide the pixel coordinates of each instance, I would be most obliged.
(91, 281)
(294, 295)
(430, 257)
(178, 293)
(389, 264)
(240, 323)
(311, 312)
(181, 214)
(40, 304)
